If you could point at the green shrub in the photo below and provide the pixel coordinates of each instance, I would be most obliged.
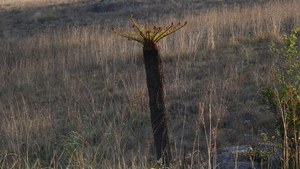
(284, 96)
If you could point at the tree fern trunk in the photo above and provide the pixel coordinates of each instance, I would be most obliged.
(155, 83)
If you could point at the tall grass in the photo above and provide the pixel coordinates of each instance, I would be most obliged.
(75, 97)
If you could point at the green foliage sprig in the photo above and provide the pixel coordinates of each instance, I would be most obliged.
(284, 97)
(143, 34)
(287, 63)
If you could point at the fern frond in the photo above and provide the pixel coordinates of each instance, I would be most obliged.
(172, 30)
(143, 34)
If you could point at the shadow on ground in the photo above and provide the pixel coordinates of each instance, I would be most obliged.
(18, 21)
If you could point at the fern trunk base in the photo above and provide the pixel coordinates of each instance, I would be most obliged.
(155, 83)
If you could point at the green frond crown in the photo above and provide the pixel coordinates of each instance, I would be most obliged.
(143, 34)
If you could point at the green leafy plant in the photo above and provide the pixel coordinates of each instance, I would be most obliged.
(284, 97)
(263, 152)
(155, 81)
(258, 155)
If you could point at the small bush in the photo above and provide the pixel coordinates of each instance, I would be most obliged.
(284, 97)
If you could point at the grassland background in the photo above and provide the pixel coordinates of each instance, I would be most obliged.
(73, 94)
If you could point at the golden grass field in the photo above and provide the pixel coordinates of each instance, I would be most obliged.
(73, 94)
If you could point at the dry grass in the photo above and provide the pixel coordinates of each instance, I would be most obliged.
(74, 95)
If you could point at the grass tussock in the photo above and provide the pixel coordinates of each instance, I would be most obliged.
(75, 96)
